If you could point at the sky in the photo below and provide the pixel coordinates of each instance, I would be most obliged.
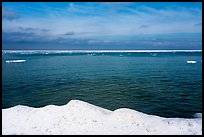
(101, 25)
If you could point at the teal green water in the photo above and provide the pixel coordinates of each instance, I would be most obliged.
(162, 84)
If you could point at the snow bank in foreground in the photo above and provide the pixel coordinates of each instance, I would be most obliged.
(78, 117)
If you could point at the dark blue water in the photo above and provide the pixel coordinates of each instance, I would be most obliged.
(162, 84)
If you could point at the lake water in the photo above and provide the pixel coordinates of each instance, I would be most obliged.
(157, 83)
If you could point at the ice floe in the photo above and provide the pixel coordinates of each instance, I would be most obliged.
(15, 61)
(191, 61)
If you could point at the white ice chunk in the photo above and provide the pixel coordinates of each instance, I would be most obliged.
(15, 61)
(191, 61)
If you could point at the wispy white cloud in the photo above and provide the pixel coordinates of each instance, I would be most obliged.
(99, 21)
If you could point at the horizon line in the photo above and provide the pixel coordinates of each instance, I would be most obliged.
(95, 50)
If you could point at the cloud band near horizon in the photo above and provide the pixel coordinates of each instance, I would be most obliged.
(100, 22)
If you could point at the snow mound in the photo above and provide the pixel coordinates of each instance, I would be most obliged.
(78, 117)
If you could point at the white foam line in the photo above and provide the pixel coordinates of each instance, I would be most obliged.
(78, 117)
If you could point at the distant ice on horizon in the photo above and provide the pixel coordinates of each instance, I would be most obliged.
(91, 51)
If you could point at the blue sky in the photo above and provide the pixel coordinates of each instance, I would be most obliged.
(102, 25)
